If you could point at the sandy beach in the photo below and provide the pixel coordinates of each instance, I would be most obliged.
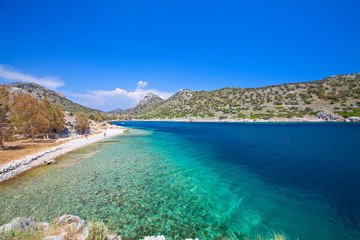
(15, 167)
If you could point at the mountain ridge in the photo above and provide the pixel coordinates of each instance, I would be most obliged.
(149, 101)
(56, 98)
(332, 98)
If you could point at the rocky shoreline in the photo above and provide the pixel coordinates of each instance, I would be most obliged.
(16, 167)
(245, 120)
(305, 119)
(65, 227)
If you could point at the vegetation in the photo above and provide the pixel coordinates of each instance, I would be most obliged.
(97, 231)
(82, 124)
(150, 100)
(55, 98)
(6, 130)
(33, 115)
(337, 95)
(20, 235)
(29, 116)
(54, 114)
(24, 114)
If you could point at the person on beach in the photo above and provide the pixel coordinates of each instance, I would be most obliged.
(86, 136)
(105, 135)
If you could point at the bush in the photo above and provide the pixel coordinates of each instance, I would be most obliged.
(264, 116)
(241, 115)
(97, 231)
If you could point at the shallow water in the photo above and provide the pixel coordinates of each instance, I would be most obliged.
(206, 180)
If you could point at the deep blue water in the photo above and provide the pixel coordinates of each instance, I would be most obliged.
(319, 162)
(206, 180)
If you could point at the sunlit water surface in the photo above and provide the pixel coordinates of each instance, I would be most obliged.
(206, 180)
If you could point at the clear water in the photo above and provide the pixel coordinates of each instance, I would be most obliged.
(206, 180)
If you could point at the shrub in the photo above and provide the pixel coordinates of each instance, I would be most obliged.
(241, 115)
(97, 231)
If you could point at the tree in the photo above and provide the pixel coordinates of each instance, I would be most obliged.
(29, 116)
(82, 125)
(55, 115)
(6, 130)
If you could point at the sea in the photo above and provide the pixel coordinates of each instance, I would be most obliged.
(204, 180)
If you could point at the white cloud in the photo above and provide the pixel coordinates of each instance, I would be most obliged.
(105, 100)
(10, 74)
(108, 100)
(142, 84)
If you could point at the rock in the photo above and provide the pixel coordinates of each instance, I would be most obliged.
(24, 224)
(54, 237)
(354, 119)
(327, 116)
(17, 224)
(41, 226)
(66, 219)
(155, 238)
(51, 161)
(112, 237)
(68, 227)
(80, 225)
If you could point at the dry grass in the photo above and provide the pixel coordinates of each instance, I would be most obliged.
(19, 149)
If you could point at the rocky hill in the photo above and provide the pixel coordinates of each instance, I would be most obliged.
(57, 98)
(149, 102)
(333, 98)
(118, 111)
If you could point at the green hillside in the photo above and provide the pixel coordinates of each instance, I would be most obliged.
(56, 98)
(334, 97)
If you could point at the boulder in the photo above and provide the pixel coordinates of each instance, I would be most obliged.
(23, 224)
(66, 219)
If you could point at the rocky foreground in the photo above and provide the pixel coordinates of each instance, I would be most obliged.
(65, 227)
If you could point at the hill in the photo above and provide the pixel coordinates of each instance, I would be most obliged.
(333, 98)
(56, 98)
(117, 111)
(149, 102)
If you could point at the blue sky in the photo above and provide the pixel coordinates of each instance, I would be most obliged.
(96, 52)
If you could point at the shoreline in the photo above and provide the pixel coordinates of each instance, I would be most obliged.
(305, 119)
(19, 166)
(279, 120)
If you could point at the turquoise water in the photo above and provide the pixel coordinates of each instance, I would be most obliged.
(206, 180)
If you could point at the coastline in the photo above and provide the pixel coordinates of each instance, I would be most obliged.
(245, 120)
(16, 167)
(305, 119)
